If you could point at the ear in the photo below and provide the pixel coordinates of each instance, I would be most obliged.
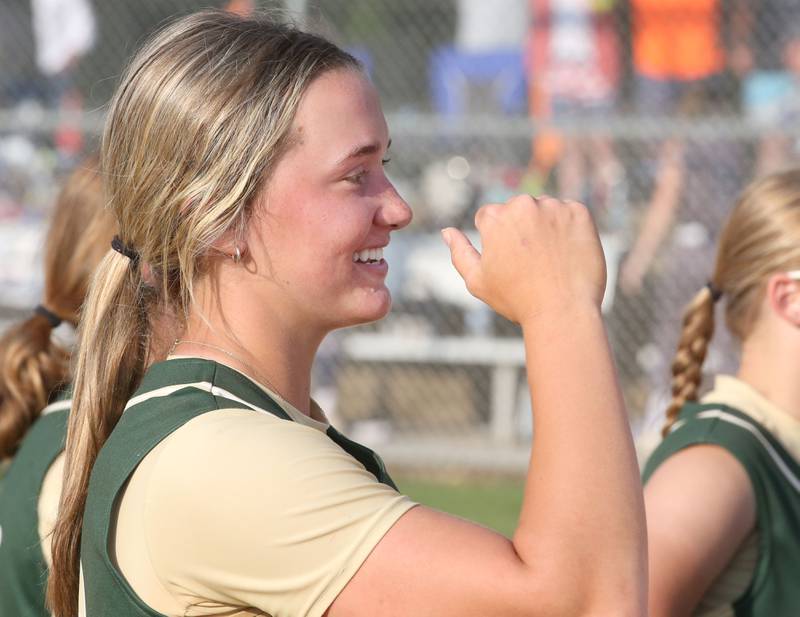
(230, 244)
(783, 295)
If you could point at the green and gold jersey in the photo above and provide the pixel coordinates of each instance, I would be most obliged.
(23, 569)
(224, 499)
(775, 478)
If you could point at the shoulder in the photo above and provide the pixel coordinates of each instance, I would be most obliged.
(241, 436)
(725, 427)
(235, 453)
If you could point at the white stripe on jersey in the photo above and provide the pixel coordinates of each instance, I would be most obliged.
(732, 419)
(57, 406)
(205, 386)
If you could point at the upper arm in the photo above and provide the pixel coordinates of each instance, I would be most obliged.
(700, 507)
(288, 523)
(430, 563)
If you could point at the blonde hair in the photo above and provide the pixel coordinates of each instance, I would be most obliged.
(32, 364)
(760, 238)
(200, 118)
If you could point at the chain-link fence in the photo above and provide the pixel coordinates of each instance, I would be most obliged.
(653, 112)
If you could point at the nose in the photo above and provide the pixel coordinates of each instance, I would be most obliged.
(393, 212)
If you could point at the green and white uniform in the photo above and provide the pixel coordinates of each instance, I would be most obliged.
(23, 568)
(212, 496)
(766, 568)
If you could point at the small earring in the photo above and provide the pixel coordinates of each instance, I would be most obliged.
(237, 255)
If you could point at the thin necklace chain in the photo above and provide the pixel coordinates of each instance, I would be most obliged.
(230, 354)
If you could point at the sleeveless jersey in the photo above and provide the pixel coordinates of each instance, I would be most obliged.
(775, 478)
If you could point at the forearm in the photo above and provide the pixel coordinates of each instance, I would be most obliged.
(583, 512)
(659, 216)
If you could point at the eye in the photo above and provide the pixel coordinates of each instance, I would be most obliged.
(357, 177)
(386, 161)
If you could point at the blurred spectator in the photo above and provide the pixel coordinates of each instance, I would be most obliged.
(679, 60)
(675, 43)
(772, 100)
(64, 31)
(573, 62)
(698, 181)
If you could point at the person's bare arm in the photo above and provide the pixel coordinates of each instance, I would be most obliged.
(772, 153)
(740, 38)
(657, 219)
(700, 507)
(579, 548)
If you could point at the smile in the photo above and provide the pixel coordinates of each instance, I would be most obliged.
(368, 256)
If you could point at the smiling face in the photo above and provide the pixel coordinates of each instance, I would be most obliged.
(328, 209)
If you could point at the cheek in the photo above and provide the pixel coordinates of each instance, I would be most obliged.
(316, 232)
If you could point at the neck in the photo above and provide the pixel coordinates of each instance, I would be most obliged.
(769, 367)
(268, 353)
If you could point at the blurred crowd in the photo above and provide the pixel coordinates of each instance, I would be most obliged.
(654, 113)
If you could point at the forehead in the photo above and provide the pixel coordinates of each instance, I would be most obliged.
(339, 109)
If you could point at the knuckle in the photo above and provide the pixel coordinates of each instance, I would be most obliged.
(578, 209)
(485, 212)
(522, 200)
(550, 203)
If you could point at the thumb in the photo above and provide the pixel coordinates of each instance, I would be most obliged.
(465, 258)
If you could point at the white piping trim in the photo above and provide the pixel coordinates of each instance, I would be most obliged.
(732, 419)
(205, 386)
(57, 406)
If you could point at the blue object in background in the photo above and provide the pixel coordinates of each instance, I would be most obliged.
(452, 71)
(765, 95)
(362, 54)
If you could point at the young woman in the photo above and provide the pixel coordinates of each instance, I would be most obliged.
(723, 488)
(244, 162)
(34, 392)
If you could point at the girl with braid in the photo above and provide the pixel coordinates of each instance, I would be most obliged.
(244, 161)
(722, 490)
(35, 392)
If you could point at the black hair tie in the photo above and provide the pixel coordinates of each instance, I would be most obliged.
(53, 319)
(715, 292)
(123, 249)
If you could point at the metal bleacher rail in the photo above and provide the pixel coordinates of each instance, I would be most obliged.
(495, 444)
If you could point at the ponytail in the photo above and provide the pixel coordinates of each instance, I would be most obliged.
(112, 350)
(687, 367)
(32, 366)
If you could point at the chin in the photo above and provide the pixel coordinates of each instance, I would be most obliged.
(376, 307)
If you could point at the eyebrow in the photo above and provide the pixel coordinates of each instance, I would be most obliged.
(363, 150)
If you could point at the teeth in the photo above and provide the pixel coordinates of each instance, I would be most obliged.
(368, 255)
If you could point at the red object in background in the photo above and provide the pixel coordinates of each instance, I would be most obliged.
(677, 39)
(68, 136)
(241, 7)
(592, 78)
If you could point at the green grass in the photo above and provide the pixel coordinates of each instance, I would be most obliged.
(493, 503)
